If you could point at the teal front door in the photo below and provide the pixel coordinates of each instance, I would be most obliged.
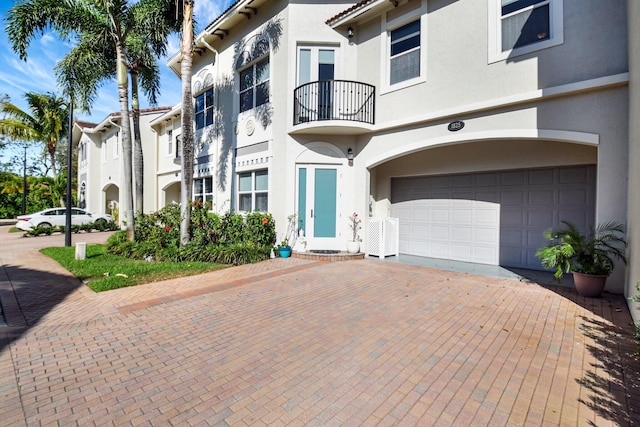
(317, 204)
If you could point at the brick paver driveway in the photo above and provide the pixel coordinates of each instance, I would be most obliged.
(292, 342)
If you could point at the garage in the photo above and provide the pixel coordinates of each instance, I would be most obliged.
(494, 217)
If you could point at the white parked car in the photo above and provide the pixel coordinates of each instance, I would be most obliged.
(57, 216)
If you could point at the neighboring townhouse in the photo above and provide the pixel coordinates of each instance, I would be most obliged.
(168, 179)
(100, 172)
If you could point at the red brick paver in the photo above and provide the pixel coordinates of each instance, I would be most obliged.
(296, 342)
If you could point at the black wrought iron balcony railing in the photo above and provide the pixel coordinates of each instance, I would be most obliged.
(334, 100)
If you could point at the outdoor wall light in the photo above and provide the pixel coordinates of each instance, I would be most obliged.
(350, 32)
(350, 156)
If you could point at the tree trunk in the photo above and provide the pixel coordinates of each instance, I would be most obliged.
(51, 149)
(123, 96)
(138, 159)
(187, 123)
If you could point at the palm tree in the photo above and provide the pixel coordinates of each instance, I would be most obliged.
(105, 23)
(187, 122)
(86, 66)
(46, 122)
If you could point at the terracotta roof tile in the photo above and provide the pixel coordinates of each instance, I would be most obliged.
(351, 9)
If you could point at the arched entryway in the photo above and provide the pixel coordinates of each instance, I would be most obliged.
(487, 201)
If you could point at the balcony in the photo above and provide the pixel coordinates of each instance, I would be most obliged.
(333, 107)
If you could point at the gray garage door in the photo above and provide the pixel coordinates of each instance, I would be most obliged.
(491, 217)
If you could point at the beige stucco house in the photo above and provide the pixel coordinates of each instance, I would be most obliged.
(100, 172)
(477, 123)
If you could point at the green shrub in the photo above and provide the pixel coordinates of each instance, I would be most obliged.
(229, 238)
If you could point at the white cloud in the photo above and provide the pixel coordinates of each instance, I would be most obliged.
(206, 11)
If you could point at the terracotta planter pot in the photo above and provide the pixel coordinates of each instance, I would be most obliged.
(589, 285)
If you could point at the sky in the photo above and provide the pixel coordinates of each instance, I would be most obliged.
(37, 74)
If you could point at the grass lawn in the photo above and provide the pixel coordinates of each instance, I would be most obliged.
(102, 271)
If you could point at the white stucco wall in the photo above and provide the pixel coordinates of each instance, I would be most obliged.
(633, 215)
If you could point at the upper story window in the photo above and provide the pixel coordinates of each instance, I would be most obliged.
(404, 52)
(254, 85)
(404, 58)
(169, 142)
(204, 109)
(116, 145)
(518, 27)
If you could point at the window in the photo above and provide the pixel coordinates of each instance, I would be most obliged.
(204, 109)
(404, 58)
(254, 85)
(116, 145)
(105, 145)
(253, 194)
(524, 26)
(169, 142)
(203, 190)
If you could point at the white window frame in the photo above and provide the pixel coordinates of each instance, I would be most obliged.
(205, 110)
(314, 55)
(556, 27)
(116, 147)
(253, 190)
(252, 66)
(205, 196)
(387, 27)
(170, 140)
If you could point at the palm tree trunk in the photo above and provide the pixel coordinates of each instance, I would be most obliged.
(138, 159)
(123, 96)
(187, 123)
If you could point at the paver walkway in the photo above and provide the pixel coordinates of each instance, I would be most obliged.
(293, 342)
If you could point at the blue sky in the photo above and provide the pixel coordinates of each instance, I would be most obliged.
(37, 74)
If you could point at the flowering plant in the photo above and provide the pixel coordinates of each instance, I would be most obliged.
(354, 224)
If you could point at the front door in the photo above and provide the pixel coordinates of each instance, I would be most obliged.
(317, 205)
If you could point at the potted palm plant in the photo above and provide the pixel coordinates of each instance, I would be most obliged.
(589, 257)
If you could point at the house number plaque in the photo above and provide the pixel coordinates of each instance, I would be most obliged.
(456, 125)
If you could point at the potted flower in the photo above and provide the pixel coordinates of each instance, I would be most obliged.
(353, 245)
(284, 249)
(590, 258)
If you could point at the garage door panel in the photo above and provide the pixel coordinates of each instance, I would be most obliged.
(489, 196)
(573, 175)
(492, 217)
(511, 216)
(512, 237)
(512, 178)
(460, 252)
(540, 218)
(461, 234)
(439, 232)
(461, 181)
(484, 255)
(542, 197)
(486, 215)
(512, 197)
(485, 236)
(438, 250)
(440, 215)
(487, 179)
(542, 176)
(574, 197)
(462, 215)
